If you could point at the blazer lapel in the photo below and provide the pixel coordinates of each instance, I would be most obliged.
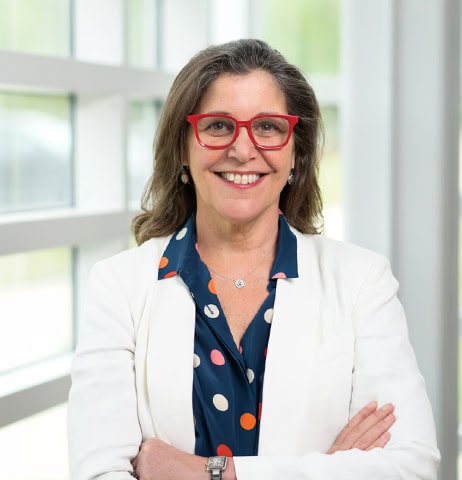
(169, 363)
(292, 349)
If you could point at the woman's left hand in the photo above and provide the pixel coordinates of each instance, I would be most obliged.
(158, 460)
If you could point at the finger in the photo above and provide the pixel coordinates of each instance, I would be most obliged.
(356, 420)
(380, 442)
(362, 423)
(374, 433)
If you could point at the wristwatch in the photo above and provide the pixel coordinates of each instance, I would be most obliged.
(216, 466)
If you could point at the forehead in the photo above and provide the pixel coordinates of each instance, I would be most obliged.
(255, 92)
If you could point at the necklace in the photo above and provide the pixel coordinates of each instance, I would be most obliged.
(239, 282)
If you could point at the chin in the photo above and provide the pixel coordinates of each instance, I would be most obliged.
(246, 216)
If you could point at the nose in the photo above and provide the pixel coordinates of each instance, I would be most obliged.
(243, 148)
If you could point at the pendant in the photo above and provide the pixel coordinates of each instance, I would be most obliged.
(239, 283)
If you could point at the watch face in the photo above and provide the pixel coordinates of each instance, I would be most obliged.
(216, 462)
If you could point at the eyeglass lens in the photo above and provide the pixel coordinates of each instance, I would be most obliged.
(266, 131)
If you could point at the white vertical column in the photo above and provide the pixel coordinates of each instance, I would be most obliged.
(366, 121)
(400, 134)
(99, 34)
(185, 31)
(425, 190)
(228, 21)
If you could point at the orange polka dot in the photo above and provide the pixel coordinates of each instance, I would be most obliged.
(170, 274)
(248, 421)
(212, 288)
(259, 411)
(163, 262)
(265, 352)
(224, 451)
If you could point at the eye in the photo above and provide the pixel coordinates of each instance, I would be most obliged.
(216, 126)
(266, 127)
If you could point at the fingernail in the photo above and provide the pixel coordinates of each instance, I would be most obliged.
(371, 404)
(387, 406)
(389, 419)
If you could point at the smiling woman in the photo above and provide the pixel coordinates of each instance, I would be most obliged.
(289, 350)
(223, 203)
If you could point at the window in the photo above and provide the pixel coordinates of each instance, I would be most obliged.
(310, 38)
(77, 118)
(36, 300)
(35, 152)
(41, 26)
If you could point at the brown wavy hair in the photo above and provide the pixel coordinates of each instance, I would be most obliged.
(167, 203)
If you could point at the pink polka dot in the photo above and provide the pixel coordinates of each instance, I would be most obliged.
(217, 357)
(280, 275)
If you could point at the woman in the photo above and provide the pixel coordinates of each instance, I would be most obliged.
(235, 331)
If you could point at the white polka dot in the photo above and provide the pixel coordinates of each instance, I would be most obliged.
(220, 402)
(196, 360)
(268, 315)
(211, 310)
(250, 375)
(181, 233)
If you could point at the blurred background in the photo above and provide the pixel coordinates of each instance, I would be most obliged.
(82, 83)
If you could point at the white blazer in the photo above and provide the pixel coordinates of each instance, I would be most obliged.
(338, 340)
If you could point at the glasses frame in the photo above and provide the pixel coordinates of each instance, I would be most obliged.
(194, 120)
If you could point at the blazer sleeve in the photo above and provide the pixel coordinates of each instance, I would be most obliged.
(103, 427)
(385, 370)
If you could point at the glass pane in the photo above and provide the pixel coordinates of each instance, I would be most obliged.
(35, 26)
(35, 152)
(331, 175)
(43, 442)
(36, 306)
(142, 33)
(141, 129)
(308, 36)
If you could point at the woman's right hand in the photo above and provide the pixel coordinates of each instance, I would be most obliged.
(368, 429)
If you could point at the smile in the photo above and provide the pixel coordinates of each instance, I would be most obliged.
(238, 179)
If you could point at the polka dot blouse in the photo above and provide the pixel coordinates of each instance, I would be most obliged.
(228, 382)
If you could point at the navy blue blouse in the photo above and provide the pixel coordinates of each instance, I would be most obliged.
(228, 382)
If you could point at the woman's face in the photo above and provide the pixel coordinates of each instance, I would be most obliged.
(219, 197)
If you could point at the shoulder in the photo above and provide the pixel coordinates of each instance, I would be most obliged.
(335, 250)
(134, 265)
(343, 260)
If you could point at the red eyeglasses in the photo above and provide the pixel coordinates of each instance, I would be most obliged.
(268, 132)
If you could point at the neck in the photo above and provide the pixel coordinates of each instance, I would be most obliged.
(236, 248)
(233, 238)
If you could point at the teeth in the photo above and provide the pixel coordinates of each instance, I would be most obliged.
(238, 179)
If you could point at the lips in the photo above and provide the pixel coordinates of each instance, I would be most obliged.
(241, 179)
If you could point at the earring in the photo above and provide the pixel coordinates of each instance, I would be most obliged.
(184, 177)
(291, 179)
